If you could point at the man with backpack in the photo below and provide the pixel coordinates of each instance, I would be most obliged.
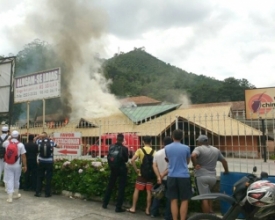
(145, 174)
(4, 136)
(117, 157)
(45, 163)
(15, 154)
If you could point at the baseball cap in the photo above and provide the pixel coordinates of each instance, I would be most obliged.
(202, 138)
(5, 128)
(14, 134)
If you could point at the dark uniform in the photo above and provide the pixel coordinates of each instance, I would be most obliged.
(45, 169)
(31, 174)
(121, 173)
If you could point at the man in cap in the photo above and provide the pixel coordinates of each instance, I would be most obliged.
(4, 136)
(13, 159)
(204, 159)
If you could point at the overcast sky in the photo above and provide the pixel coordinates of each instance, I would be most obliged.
(211, 37)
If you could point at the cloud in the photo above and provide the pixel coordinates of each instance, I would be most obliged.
(130, 19)
(211, 37)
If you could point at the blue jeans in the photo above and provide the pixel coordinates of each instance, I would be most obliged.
(154, 210)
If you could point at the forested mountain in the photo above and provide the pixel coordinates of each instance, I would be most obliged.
(134, 73)
(139, 73)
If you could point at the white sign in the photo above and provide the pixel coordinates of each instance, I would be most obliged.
(37, 86)
(6, 77)
(69, 143)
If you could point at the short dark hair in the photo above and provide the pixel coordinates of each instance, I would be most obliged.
(146, 139)
(31, 137)
(177, 134)
(167, 140)
(120, 137)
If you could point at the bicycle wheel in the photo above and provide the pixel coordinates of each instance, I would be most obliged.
(203, 216)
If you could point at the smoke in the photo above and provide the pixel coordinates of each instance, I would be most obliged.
(76, 28)
(184, 100)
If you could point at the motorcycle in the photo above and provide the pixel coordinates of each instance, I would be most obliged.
(238, 201)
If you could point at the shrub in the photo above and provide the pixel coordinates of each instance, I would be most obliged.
(90, 178)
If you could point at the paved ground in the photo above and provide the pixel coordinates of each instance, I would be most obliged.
(58, 207)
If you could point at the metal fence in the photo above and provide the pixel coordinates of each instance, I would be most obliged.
(244, 143)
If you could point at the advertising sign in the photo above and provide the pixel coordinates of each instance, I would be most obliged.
(260, 103)
(6, 76)
(69, 143)
(37, 86)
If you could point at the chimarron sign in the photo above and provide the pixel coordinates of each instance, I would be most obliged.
(260, 103)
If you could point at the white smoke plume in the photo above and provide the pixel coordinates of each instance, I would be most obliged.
(76, 28)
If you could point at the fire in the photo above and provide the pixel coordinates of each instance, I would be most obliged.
(66, 121)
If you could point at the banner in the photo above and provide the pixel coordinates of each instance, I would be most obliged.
(260, 103)
(37, 86)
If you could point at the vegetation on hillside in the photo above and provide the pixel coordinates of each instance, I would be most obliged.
(139, 73)
(133, 74)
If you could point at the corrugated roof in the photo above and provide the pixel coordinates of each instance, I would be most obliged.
(140, 100)
(142, 113)
(213, 119)
(235, 106)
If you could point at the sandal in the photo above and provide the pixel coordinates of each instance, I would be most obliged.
(129, 210)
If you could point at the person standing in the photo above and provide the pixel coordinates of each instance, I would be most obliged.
(117, 157)
(204, 159)
(4, 136)
(31, 154)
(15, 154)
(143, 182)
(45, 163)
(178, 180)
(160, 167)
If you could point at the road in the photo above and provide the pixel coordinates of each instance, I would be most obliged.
(58, 207)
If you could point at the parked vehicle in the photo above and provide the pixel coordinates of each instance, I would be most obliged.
(131, 140)
(241, 200)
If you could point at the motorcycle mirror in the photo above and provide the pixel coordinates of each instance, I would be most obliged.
(254, 169)
(264, 175)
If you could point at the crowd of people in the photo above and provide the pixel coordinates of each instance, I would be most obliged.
(167, 168)
(35, 159)
(171, 172)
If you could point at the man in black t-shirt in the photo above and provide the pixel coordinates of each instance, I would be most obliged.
(118, 172)
(31, 174)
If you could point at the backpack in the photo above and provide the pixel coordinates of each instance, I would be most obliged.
(11, 155)
(2, 149)
(146, 167)
(45, 149)
(114, 156)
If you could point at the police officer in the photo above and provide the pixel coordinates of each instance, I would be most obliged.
(45, 164)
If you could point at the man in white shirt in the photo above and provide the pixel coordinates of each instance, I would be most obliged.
(160, 169)
(13, 168)
(4, 137)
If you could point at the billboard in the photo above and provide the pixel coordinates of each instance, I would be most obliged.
(69, 142)
(7, 66)
(37, 86)
(260, 103)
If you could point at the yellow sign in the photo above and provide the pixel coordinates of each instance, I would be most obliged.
(260, 103)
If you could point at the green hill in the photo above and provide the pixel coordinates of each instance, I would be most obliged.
(139, 73)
